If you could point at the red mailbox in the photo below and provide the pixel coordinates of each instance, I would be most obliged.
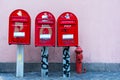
(67, 29)
(45, 29)
(19, 27)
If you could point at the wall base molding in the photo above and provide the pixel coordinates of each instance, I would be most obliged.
(53, 67)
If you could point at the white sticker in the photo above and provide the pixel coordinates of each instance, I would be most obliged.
(67, 36)
(19, 34)
(44, 16)
(45, 36)
(67, 16)
(19, 13)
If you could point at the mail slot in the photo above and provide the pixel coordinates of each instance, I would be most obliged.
(19, 27)
(67, 29)
(45, 29)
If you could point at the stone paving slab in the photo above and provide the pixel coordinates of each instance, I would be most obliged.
(58, 76)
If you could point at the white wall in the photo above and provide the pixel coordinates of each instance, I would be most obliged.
(99, 29)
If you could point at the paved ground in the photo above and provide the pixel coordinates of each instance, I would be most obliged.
(58, 76)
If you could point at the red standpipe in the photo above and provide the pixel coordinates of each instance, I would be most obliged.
(79, 58)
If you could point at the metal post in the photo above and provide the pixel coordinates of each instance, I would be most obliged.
(66, 62)
(44, 62)
(20, 61)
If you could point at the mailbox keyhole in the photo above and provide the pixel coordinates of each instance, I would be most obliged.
(64, 30)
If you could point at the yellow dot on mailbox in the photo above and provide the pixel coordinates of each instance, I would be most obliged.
(19, 57)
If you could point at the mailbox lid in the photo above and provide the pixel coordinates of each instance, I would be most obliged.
(67, 29)
(45, 29)
(19, 18)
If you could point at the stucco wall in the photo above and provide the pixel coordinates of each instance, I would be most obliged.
(99, 29)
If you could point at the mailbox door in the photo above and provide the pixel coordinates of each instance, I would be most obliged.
(45, 29)
(19, 27)
(67, 29)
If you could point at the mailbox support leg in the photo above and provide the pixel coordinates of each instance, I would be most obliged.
(66, 62)
(44, 62)
(20, 61)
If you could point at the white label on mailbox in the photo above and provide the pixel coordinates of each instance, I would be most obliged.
(67, 36)
(19, 34)
(45, 36)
